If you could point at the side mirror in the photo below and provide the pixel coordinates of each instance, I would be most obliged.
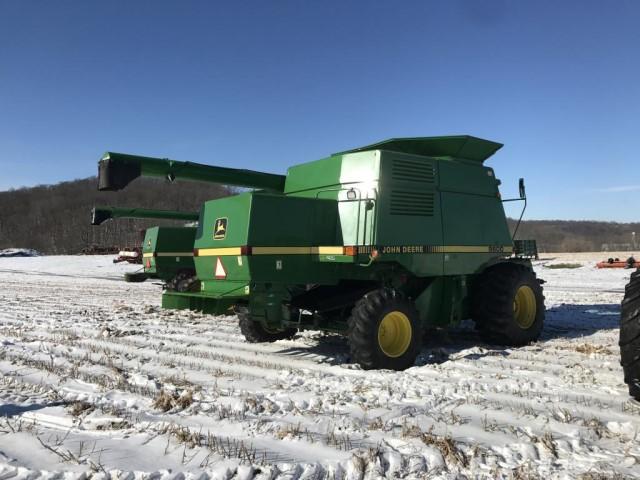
(523, 193)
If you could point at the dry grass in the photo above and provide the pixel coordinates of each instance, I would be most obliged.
(165, 401)
(603, 476)
(290, 431)
(185, 400)
(114, 425)
(445, 444)
(556, 266)
(589, 349)
(526, 471)
(77, 409)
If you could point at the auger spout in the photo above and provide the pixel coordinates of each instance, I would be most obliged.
(101, 214)
(117, 170)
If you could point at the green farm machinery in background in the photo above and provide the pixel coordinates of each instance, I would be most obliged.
(167, 252)
(380, 243)
(99, 215)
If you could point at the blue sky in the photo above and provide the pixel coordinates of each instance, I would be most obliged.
(263, 85)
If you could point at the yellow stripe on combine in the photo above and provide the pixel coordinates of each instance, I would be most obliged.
(167, 254)
(328, 250)
(231, 251)
(473, 249)
(339, 250)
(281, 250)
(219, 252)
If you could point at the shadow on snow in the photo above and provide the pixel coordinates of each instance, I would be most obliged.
(568, 321)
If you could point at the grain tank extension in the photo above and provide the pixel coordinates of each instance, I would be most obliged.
(379, 243)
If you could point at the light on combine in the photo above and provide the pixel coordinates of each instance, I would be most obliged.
(351, 251)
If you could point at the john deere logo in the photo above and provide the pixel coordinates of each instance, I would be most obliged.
(220, 229)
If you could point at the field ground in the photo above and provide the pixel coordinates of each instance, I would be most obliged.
(98, 380)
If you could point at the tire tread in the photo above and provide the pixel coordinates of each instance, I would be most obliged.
(630, 335)
(492, 304)
(363, 327)
(254, 332)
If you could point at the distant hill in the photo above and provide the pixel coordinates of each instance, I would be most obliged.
(579, 235)
(54, 219)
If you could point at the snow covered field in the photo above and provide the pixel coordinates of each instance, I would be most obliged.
(98, 380)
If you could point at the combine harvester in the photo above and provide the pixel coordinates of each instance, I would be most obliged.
(379, 243)
(167, 252)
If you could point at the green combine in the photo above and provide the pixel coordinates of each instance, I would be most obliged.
(379, 243)
(167, 252)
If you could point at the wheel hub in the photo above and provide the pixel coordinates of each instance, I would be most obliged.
(524, 307)
(394, 334)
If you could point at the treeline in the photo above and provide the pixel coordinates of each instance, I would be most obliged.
(55, 219)
(579, 235)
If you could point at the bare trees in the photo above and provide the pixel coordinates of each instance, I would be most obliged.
(575, 236)
(55, 219)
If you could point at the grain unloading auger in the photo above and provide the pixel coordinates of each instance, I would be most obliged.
(100, 215)
(117, 170)
(379, 243)
(167, 252)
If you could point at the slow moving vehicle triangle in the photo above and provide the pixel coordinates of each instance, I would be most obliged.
(220, 271)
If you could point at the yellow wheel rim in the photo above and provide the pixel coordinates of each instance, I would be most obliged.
(394, 334)
(524, 307)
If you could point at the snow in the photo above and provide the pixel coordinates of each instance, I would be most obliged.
(98, 380)
(19, 252)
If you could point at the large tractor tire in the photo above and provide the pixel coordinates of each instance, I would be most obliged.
(254, 332)
(508, 305)
(135, 277)
(384, 331)
(184, 281)
(630, 335)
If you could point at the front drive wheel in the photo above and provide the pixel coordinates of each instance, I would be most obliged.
(630, 335)
(508, 305)
(254, 332)
(384, 331)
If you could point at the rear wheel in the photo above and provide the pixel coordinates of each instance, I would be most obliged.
(508, 305)
(135, 277)
(255, 332)
(384, 331)
(630, 335)
(184, 281)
